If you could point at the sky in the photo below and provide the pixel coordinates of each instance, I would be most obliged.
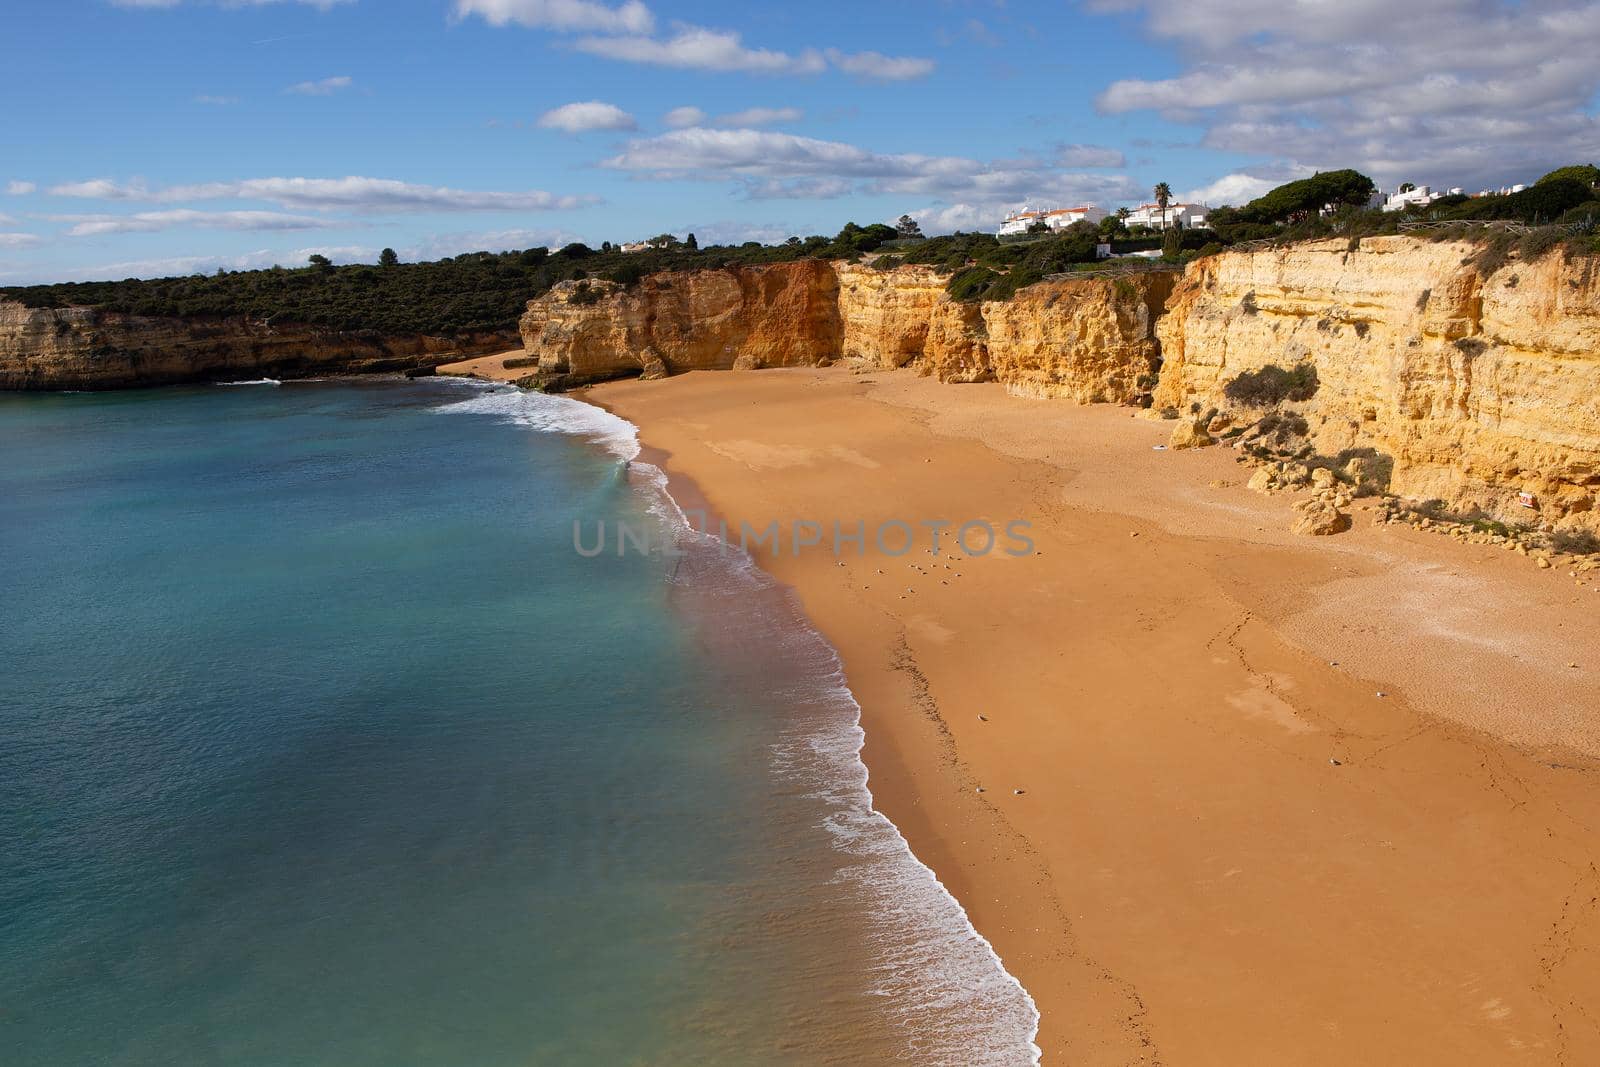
(143, 138)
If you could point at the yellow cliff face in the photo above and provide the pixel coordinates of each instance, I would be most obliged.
(82, 348)
(780, 315)
(1086, 340)
(1479, 388)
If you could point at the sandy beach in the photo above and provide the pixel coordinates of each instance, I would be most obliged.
(1217, 794)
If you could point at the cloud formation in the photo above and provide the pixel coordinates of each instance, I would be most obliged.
(760, 116)
(324, 87)
(1089, 155)
(587, 115)
(697, 48)
(627, 33)
(679, 117)
(879, 67)
(569, 16)
(18, 240)
(157, 221)
(1457, 91)
(358, 194)
(20, 188)
(771, 165)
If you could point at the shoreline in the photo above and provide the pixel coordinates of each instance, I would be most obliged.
(882, 771)
(1283, 799)
(1105, 891)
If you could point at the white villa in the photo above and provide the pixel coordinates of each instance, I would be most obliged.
(642, 246)
(1057, 219)
(1409, 195)
(1189, 216)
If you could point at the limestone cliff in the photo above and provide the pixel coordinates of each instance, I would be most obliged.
(83, 348)
(780, 315)
(1088, 339)
(1479, 385)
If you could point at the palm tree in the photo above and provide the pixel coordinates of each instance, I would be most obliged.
(1163, 194)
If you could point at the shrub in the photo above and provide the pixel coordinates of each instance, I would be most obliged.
(1272, 385)
(585, 294)
(971, 284)
(1578, 542)
(1535, 205)
(1282, 427)
(1536, 243)
(1585, 173)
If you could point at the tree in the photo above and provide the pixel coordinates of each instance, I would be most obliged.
(320, 261)
(1586, 173)
(1307, 196)
(388, 258)
(1123, 213)
(691, 243)
(1038, 226)
(908, 228)
(1163, 194)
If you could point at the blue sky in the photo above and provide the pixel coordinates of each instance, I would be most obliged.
(149, 137)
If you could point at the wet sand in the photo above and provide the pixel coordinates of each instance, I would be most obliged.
(1228, 847)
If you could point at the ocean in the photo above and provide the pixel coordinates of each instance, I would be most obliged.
(321, 745)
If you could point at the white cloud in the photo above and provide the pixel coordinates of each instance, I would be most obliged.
(1447, 91)
(178, 266)
(798, 188)
(587, 115)
(438, 246)
(18, 240)
(156, 221)
(1237, 188)
(571, 16)
(216, 101)
(879, 67)
(679, 117)
(20, 188)
(773, 165)
(366, 195)
(1089, 155)
(697, 48)
(760, 116)
(735, 233)
(324, 87)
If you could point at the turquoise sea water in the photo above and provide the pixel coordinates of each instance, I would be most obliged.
(319, 744)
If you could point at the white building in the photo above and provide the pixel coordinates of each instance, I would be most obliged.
(1188, 216)
(1057, 219)
(1409, 195)
(644, 246)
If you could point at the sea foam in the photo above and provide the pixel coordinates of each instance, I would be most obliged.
(551, 414)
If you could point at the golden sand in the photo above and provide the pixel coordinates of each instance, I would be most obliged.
(1198, 838)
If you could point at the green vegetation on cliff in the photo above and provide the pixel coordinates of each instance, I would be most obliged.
(471, 292)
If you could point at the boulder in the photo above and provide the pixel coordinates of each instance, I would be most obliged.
(1320, 519)
(1189, 435)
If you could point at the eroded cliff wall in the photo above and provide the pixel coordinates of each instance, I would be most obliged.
(782, 315)
(1479, 384)
(82, 348)
(1088, 339)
